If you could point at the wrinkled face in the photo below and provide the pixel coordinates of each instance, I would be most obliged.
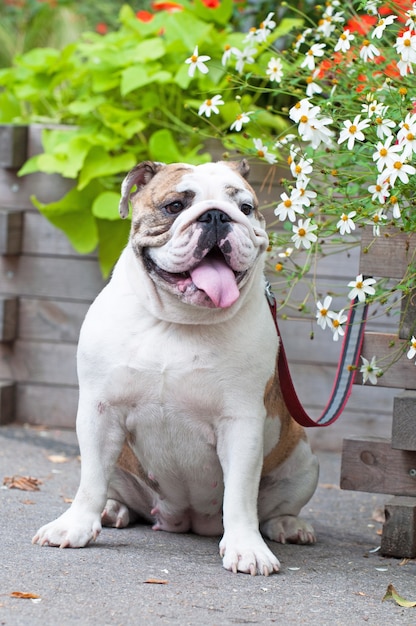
(198, 231)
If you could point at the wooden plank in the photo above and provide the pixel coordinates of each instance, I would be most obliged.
(408, 316)
(389, 255)
(39, 362)
(40, 237)
(7, 402)
(372, 465)
(15, 191)
(402, 374)
(53, 406)
(8, 318)
(51, 320)
(77, 279)
(11, 231)
(399, 530)
(404, 421)
(13, 145)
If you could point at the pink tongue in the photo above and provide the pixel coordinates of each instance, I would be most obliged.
(217, 279)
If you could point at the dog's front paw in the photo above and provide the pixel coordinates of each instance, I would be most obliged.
(247, 553)
(288, 529)
(69, 531)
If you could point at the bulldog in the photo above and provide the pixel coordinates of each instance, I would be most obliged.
(181, 422)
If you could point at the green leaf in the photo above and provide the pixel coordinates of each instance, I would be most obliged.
(150, 50)
(391, 594)
(113, 238)
(105, 206)
(73, 215)
(162, 147)
(99, 163)
(136, 77)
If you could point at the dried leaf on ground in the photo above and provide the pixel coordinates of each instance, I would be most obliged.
(25, 483)
(391, 594)
(57, 458)
(379, 514)
(156, 581)
(25, 595)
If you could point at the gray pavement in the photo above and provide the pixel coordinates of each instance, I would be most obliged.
(338, 581)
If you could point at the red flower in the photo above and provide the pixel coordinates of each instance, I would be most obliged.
(144, 16)
(211, 4)
(361, 24)
(101, 28)
(171, 7)
(396, 7)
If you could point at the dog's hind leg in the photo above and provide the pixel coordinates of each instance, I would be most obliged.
(283, 492)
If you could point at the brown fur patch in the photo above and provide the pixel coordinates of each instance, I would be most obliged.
(149, 225)
(291, 432)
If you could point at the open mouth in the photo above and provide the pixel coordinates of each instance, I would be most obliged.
(212, 275)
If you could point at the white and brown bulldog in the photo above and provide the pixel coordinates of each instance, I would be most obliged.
(181, 422)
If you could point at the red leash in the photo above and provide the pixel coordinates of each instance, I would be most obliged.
(347, 367)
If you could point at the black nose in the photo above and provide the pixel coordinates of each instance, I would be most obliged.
(215, 217)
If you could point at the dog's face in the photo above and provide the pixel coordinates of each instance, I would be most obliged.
(196, 229)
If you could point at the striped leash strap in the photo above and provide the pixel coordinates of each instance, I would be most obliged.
(347, 367)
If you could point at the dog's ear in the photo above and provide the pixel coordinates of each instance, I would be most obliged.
(139, 176)
(242, 167)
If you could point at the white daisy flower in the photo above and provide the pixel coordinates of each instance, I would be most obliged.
(242, 118)
(368, 51)
(370, 370)
(398, 170)
(263, 151)
(361, 288)
(323, 314)
(287, 208)
(337, 321)
(353, 131)
(343, 44)
(210, 106)
(317, 50)
(381, 26)
(275, 70)
(346, 223)
(412, 350)
(197, 62)
(303, 233)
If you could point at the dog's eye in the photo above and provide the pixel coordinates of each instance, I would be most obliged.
(246, 208)
(174, 207)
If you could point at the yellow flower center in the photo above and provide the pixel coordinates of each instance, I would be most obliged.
(359, 285)
(393, 199)
(343, 36)
(288, 203)
(383, 152)
(352, 129)
(410, 136)
(407, 42)
(335, 323)
(304, 119)
(376, 219)
(209, 103)
(366, 43)
(298, 169)
(194, 58)
(344, 217)
(260, 153)
(398, 165)
(324, 312)
(301, 232)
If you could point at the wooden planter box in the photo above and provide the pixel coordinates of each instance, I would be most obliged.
(381, 465)
(45, 291)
